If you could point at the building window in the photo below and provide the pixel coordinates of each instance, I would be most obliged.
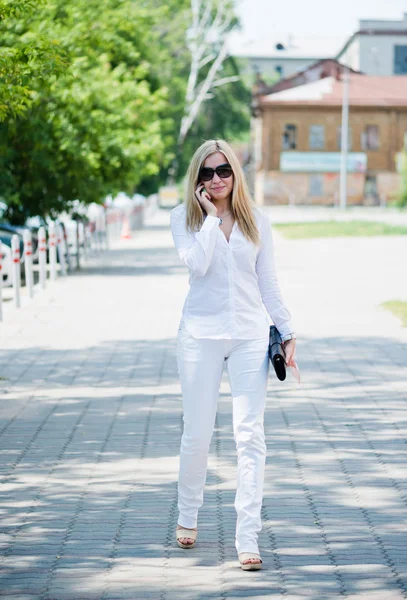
(339, 138)
(370, 138)
(290, 137)
(400, 60)
(316, 185)
(317, 137)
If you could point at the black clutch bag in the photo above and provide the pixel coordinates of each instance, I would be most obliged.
(276, 353)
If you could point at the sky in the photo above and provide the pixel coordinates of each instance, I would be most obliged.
(312, 17)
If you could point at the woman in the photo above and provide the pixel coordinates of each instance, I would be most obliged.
(226, 242)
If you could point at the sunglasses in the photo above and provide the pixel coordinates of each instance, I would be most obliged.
(222, 171)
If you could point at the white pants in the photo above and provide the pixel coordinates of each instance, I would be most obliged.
(200, 366)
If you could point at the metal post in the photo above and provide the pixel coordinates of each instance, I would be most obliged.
(15, 251)
(42, 256)
(84, 231)
(52, 244)
(78, 261)
(105, 232)
(82, 239)
(28, 264)
(344, 140)
(67, 251)
(61, 249)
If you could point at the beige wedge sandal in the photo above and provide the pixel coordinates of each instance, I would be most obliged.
(185, 533)
(249, 566)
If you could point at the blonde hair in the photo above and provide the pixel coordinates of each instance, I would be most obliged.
(242, 203)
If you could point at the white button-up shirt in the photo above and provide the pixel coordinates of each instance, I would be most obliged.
(233, 285)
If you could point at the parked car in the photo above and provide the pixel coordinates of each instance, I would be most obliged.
(32, 224)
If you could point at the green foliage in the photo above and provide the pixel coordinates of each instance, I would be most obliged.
(24, 56)
(96, 129)
(17, 8)
(398, 308)
(321, 229)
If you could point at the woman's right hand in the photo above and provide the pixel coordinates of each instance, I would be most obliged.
(204, 200)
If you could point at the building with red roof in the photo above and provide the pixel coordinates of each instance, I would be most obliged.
(297, 140)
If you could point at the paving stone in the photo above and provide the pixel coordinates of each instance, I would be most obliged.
(91, 422)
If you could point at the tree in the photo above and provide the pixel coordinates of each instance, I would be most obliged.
(207, 41)
(96, 129)
(226, 115)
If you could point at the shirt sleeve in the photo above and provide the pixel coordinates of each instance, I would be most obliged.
(268, 283)
(195, 251)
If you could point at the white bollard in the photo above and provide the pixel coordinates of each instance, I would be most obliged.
(28, 264)
(42, 256)
(52, 244)
(2, 257)
(84, 239)
(96, 240)
(105, 227)
(78, 258)
(15, 253)
(61, 248)
(68, 254)
(89, 237)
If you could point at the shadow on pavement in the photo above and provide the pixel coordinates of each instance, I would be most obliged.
(89, 472)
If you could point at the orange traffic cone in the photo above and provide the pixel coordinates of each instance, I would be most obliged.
(126, 233)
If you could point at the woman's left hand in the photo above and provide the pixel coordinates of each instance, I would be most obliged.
(289, 349)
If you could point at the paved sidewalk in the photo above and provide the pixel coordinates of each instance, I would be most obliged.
(91, 424)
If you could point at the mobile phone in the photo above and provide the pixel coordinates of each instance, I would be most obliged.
(203, 190)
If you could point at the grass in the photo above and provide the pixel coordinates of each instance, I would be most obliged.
(398, 308)
(319, 229)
